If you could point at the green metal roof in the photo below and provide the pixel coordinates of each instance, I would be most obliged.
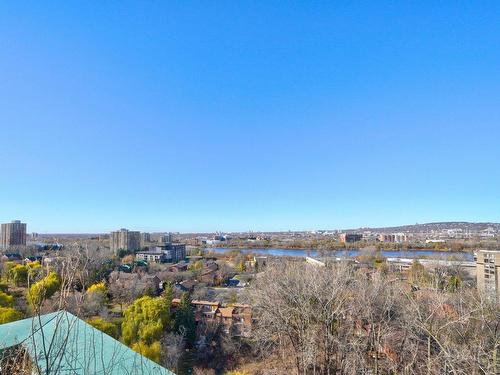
(61, 343)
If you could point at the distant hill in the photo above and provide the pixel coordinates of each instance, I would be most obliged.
(430, 227)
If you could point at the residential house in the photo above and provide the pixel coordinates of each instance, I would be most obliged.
(204, 311)
(12, 257)
(179, 267)
(237, 319)
(208, 273)
(186, 285)
(30, 259)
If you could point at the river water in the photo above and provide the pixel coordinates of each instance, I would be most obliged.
(350, 253)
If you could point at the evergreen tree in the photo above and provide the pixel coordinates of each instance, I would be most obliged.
(185, 322)
(168, 292)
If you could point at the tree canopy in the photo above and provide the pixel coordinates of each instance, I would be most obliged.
(43, 289)
(97, 288)
(9, 314)
(18, 273)
(104, 326)
(6, 300)
(145, 320)
(152, 351)
(34, 270)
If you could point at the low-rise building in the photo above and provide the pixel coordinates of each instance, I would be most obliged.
(384, 237)
(237, 318)
(151, 256)
(350, 237)
(208, 273)
(168, 253)
(186, 285)
(179, 267)
(204, 311)
(12, 257)
(400, 237)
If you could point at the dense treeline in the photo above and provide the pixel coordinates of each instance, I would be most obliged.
(332, 244)
(341, 320)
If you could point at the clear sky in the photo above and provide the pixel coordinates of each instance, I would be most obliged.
(248, 115)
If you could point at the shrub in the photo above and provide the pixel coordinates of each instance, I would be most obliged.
(6, 300)
(97, 288)
(43, 289)
(104, 326)
(8, 314)
(18, 274)
(150, 351)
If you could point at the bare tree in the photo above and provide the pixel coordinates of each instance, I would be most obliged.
(172, 349)
(304, 308)
(335, 320)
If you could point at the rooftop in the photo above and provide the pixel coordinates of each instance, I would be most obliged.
(489, 251)
(61, 343)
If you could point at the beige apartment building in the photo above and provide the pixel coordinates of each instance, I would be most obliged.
(145, 238)
(13, 234)
(124, 239)
(488, 271)
(394, 237)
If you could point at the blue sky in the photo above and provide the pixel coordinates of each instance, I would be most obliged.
(201, 116)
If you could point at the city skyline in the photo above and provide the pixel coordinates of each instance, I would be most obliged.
(192, 118)
(401, 227)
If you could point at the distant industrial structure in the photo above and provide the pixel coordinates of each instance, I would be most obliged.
(488, 271)
(13, 234)
(350, 237)
(124, 239)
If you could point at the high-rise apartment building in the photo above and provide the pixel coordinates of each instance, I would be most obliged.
(488, 271)
(145, 238)
(167, 238)
(124, 239)
(13, 234)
